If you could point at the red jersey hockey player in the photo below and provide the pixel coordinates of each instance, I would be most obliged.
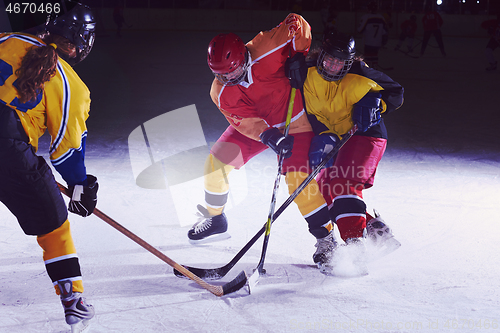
(432, 23)
(252, 91)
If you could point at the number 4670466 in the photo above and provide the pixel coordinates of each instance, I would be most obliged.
(31, 7)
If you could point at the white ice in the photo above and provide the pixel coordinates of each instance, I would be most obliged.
(437, 187)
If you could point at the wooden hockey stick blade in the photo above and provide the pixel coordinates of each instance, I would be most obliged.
(232, 286)
(220, 272)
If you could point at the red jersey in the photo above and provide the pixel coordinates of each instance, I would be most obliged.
(432, 21)
(261, 100)
(493, 28)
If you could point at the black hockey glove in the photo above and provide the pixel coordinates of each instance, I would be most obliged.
(296, 70)
(277, 141)
(367, 111)
(84, 198)
(321, 145)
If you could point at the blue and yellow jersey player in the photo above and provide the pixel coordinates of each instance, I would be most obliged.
(40, 91)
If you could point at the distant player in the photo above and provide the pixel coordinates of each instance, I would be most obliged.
(432, 23)
(493, 29)
(408, 30)
(39, 91)
(375, 34)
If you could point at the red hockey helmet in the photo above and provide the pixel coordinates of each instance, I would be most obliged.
(228, 58)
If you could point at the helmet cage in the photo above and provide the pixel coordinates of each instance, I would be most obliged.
(237, 75)
(332, 68)
(336, 56)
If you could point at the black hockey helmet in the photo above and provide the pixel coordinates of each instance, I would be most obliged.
(336, 55)
(78, 26)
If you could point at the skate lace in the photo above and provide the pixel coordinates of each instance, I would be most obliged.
(203, 225)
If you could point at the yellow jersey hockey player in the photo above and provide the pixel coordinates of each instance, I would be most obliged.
(340, 91)
(39, 91)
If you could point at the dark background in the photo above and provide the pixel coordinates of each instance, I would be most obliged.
(451, 105)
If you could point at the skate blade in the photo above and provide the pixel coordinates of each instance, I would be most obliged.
(81, 327)
(210, 239)
(378, 251)
(325, 269)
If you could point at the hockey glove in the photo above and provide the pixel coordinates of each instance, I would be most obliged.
(84, 198)
(366, 112)
(321, 145)
(273, 138)
(296, 70)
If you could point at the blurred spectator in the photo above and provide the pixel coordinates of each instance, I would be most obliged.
(432, 22)
(328, 16)
(119, 20)
(408, 30)
(297, 7)
(388, 16)
(493, 28)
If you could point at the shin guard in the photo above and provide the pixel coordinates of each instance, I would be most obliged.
(59, 255)
(216, 184)
(348, 209)
(311, 204)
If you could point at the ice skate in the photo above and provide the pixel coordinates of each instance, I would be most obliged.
(325, 248)
(380, 239)
(208, 228)
(77, 312)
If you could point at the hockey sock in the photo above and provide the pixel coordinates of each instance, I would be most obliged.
(216, 184)
(348, 209)
(311, 204)
(59, 255)
(351, 225)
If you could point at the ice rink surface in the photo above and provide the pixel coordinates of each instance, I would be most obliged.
(437, 187)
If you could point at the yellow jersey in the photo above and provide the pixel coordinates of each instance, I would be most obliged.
(61, 108)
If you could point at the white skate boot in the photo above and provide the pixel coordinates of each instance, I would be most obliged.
(380, 239)
(77, 312)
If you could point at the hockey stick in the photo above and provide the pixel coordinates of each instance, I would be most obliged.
(260, 266)
(232, 286)
(220, 272)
